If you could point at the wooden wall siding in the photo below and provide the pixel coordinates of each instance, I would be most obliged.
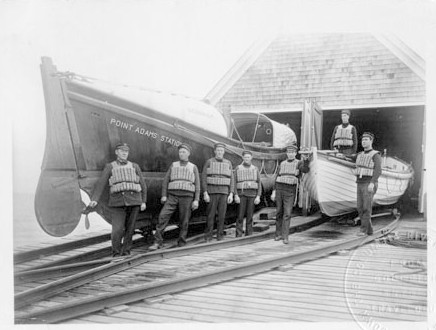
(335, 69)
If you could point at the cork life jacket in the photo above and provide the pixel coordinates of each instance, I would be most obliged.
(365, 164)
(343, 136)
(182, 177)
(219, 173)
(288, 172)
(246, 178)
(123, 178)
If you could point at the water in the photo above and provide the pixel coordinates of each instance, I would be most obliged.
(26, 230)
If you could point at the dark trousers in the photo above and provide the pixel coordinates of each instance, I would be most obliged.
(183, 204)
(217, 204)
(345, 150)
(246, 207)
(285, 203)
(123, 226)
(364, 206)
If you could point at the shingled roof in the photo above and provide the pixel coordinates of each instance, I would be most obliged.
(355, 70)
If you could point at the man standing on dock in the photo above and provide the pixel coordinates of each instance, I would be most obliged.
(247, 193)
(127, 195)
(218, 185)
(344, 137)
(285, 190)
(180, 190)
(368, 169)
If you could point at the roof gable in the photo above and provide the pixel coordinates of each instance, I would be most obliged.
(337, 70)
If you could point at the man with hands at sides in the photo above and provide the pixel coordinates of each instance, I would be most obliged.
(285, 190)
(218, 185)
(180, 190)
(247, 193)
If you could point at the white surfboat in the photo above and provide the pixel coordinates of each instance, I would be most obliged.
(332, 184)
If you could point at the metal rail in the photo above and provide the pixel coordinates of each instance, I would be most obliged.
(82, 257)
(86, 306)
(72, 265)
(80, 260)
(21, 257)
(116, 265)
(63, 268)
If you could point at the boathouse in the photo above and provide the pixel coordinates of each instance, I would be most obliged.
(379, 78)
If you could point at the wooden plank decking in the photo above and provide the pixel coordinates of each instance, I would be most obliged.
(374, 283)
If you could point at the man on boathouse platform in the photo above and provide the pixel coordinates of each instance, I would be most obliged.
(344, 137)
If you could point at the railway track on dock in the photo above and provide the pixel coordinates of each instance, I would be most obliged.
(84, 272)
(143, 276)
(26, 256)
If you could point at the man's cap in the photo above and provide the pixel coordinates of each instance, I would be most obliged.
(247, 152)
(368, 134)
(185, 146)
(345, 111)
(218, 144)
(123, 146)
(291, 147)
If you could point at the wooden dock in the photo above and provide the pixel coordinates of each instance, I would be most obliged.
(377, 282)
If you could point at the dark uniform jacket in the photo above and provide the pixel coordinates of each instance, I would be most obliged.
(125, 198)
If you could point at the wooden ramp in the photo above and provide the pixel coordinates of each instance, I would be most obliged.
(375, 283)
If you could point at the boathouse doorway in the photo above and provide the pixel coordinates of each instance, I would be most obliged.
(399, 130)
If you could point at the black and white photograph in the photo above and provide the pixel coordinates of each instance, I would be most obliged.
(206, 164)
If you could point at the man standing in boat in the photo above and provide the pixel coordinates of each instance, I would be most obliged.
(180, 190)
(285, 190)
(344, 137)
(368, 170)
(127, 195)
(218, 185)
(247, 193)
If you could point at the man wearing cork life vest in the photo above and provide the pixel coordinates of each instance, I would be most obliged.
(218, 184)
(344, 137)
(127, 195)
(247, 193)
(285, 190)
(367, 171)
(180, 190)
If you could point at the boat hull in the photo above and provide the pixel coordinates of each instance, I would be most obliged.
(83, 128)
(332, 184)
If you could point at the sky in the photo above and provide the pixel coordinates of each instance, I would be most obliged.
(175, 46)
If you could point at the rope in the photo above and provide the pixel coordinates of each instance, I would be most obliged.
(387, 186)
(395, 181)
(296, 192)
(237, 133)
(264, 170)
(255, 130)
